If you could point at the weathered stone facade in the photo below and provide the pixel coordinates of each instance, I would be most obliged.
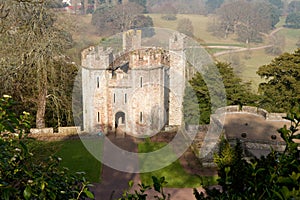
(137, 91)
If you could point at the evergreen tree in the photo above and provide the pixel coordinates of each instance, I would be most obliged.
(281, 90)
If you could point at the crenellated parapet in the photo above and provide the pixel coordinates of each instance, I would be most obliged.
(150, 57)
(97, 57)
(132, 40)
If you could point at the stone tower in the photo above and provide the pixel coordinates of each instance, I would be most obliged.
(177, 78)
(132, 40)
(95, 95)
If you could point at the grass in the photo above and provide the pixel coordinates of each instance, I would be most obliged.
(200, 24)
(77, 158)
(73, 153)
(174, 174)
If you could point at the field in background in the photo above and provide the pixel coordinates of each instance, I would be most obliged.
(248, 62)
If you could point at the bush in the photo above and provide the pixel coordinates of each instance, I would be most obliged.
(21, 177)
(169, 17)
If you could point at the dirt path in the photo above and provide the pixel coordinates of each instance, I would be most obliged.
(235, 49)
(114, 182)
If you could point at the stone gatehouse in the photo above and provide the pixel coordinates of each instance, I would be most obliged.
(138, 90)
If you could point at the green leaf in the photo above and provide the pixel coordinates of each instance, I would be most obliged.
(27, 192)
(130, 183)
(89, 194)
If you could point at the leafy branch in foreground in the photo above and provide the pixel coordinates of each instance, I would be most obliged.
(21, 177)
(158, 184)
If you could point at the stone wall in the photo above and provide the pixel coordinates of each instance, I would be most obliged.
(41, 131)
(69, 130)
(209, 144)
(253, 110)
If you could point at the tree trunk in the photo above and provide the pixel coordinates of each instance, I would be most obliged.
(41, 108)
(42, 93)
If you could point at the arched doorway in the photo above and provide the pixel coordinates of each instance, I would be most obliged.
(119, 119)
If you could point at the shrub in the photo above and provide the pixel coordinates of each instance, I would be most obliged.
(23, 178)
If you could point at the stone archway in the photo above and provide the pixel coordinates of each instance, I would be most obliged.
(119, 119)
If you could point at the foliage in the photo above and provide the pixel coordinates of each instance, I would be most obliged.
(247, 19)
(276, 176)
(185, 26)
(212, 5)
(169, 17)
(177, 6)
(293, 20)
(281, 90)
(277, 44)
(20, 176)
(115, 19)
(277, 3)
(33, 67)
(237, 93)
(294, 6)
(158, 184)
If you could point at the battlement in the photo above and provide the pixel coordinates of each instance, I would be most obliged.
(151, 57)
(96, 57)
(177, 42)
(132, 40)
(250, 110)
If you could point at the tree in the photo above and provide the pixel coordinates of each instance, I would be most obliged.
(142, 3)
(185, 26)
(277, 44)
(293, 20)
(212, 5)
(115, 19)
(277, 3)
(237, 92)
(32, 64)
(247, 19)
(294, 6)
(281, 90)
(276, 176)
(21, 176)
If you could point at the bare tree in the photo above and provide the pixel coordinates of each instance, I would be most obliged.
(114, 19)
(247, 19)
(185, 26)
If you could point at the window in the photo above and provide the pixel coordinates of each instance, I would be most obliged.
(141, 82)
(125, 98)
(98, 116)
(114, 98)
(141, 117)
(98, 82)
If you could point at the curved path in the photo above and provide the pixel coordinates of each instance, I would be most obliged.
(235, 49)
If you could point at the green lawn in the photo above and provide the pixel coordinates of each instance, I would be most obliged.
(73, 153)
(175, 175)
